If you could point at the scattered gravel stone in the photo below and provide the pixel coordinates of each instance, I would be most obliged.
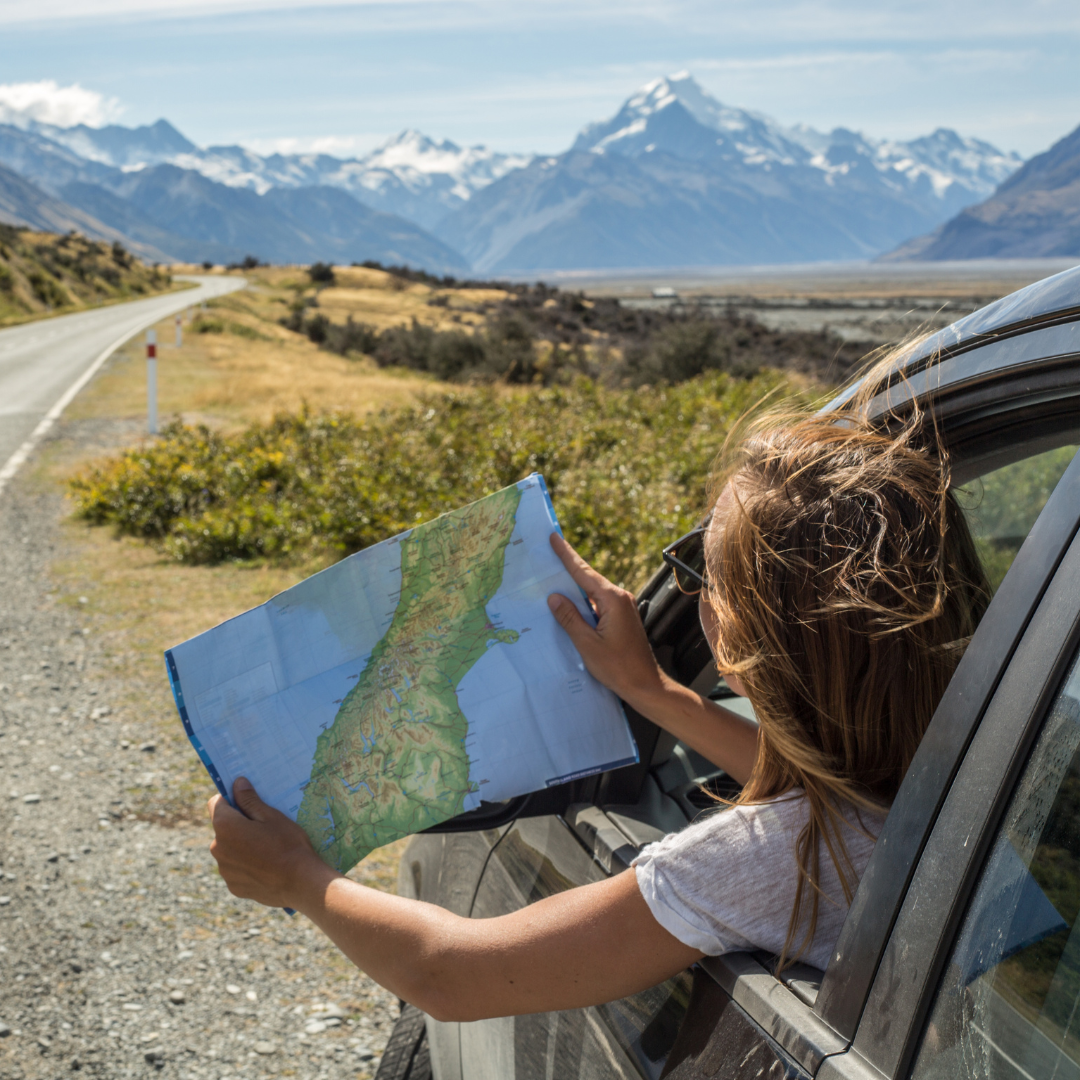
(96, 922)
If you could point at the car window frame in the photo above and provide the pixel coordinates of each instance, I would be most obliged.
(885, 881)
(935, 902)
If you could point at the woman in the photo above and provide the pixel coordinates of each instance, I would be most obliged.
(838, 587)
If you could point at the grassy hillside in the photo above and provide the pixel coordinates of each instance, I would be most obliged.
(43, 274)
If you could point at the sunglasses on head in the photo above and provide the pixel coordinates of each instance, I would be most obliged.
(686, 557)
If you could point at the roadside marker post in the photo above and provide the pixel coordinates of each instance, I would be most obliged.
(151, 380)
(179, 329)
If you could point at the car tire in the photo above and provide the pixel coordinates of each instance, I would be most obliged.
(406, 1056)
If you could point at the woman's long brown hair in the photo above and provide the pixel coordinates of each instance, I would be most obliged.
(845, 585)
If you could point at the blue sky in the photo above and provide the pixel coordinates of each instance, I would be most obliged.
(527, 76)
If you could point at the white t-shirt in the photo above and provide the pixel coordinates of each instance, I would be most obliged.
(726, 883)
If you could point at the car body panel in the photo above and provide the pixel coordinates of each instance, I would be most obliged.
(444, 869)
(539, 857)
(719, 1041)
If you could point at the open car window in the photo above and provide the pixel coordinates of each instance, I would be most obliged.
(1002, 505)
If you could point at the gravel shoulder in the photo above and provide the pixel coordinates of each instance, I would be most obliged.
(122, 954)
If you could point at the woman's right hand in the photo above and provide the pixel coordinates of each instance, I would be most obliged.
(616, 650)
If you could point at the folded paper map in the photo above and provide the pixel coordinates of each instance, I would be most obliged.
(406, 683)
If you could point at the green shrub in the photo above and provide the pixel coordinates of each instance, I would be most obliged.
(627, 470)
(47, 289)
(7, 279)
(322, 273)
(680, 351)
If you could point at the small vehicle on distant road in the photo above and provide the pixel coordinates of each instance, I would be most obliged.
(960, 956)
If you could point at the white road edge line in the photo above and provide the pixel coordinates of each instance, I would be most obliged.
(18, 459)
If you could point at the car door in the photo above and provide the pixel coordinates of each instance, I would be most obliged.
(980, 976)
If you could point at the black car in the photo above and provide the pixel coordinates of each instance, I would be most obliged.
(960, 955)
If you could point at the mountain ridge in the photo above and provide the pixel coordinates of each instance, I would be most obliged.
(24, 204)
(691, 182)
(673, 178)
(165, 212)
(1035, 213)
(410, 174)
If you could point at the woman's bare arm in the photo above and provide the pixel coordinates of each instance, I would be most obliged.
(581, 947)
(617, 653)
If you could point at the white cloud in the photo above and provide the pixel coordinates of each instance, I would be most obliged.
(41, 11)
(50, 103)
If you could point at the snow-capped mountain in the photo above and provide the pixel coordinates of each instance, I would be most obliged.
(674, 178)
(118, 146)
(411, 174)
(1034, 214)
(655, 119)
(946, 158)
(675, 115)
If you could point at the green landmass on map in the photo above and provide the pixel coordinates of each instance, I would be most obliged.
(394, 760)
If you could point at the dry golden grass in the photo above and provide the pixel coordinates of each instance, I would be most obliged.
(252, 370)
(368, 296)
(44, 274)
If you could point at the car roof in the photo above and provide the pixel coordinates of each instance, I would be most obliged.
(1048, 309)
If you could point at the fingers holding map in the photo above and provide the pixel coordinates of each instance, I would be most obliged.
(406, 683)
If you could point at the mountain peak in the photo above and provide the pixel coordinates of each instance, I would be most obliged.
(676, 115)
(681, 87)
(122, 147)
(414, 141)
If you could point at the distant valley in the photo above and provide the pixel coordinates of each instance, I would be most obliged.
(674, 179)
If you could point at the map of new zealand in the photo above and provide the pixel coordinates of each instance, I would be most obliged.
(406, 683)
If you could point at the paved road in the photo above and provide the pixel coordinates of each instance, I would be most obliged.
(41, 362)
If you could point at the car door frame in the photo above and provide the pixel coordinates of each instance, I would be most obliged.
(921, 938)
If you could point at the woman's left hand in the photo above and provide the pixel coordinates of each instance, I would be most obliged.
(616, 650)
(262, 855)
